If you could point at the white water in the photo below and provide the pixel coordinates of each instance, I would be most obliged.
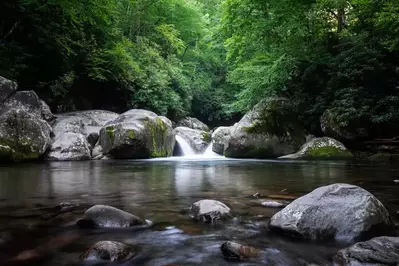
(189, 153)
(185, 147)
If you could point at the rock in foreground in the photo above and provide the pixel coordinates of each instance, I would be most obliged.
(109, 251)
(375, 252)
(23, 136)
(210, 211)
(108, 217)
(137, 134)
(235, 251)
(339, 211)
(321, 148)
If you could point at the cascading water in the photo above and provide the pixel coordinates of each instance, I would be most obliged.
(185, 147)
(209, 153)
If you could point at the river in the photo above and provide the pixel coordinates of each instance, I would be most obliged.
(33, 231)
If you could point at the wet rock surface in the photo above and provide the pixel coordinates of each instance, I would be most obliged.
(69, 147)
(235, 251)
(109, 251)
(339, 211)
(104, 216)
(198, 140)
(7, 88)
(375, 252)
(321, 148)
(137, 134)
(23, 136)
(209, 211)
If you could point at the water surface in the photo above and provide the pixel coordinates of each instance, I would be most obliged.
(160, 190)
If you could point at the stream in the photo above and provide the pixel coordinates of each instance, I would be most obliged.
(33, 230)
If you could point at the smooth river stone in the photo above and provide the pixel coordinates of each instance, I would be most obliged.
(209, 211)
(109, 251)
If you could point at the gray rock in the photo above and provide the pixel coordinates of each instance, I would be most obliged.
(137, 134)
(31, 103)
(235, 251)
(166, 120)
(104, 216)
(97, 152)
(7, 88)
(69, 146)
(220, 139)
(339, 211)
(198, 140)
(23, 136)
(334, 129)
(109, 251)
(77, 133)
(375, 252)
(267, 131)
(321, 148)
(209, 211)
(192, 123)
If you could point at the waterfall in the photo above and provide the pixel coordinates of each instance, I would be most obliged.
(209, 152)
(186, 148)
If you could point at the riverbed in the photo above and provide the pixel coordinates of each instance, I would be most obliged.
(34, 230)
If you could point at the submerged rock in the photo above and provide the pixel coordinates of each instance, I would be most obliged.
(109, 251)
(108, 217)
(267, 131)
(321, 148)
(198, 140)
(375, 252)
(210, 211)
(339, 211)
(7, 88)
(235, 251)
(137, 134)
(220, 139)
(23, 136)
(192, 123)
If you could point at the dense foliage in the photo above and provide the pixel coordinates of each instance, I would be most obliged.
(209, 58)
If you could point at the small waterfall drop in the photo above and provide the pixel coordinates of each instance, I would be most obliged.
(185, 147)
(209, 153)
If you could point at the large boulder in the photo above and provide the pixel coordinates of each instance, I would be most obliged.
(339, 211)
(109, 251)
(346, 132)
(76, 134)
(375, 252)
(269, 130)
(7, 88)
(31, 103)
(209, 211)
(199, 140)
(192, 123)
(23, 136)
(137, 134)
(69, 147)
(321, 148)
(104, 216)
(220, 139)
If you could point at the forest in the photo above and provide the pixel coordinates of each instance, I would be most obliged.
(211, 59)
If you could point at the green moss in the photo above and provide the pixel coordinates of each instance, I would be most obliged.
(17, 151)
(131, 134)
(159, 138)
(110, 133)
(206, 136)
(329, 152)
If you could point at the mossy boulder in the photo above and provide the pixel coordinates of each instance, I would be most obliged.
(333, 127)
(322, 148)
(199, 140)
(23, 136)
(193, 123)
(7, 88)
(269, 130)
(220, 139)
(137, 134)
